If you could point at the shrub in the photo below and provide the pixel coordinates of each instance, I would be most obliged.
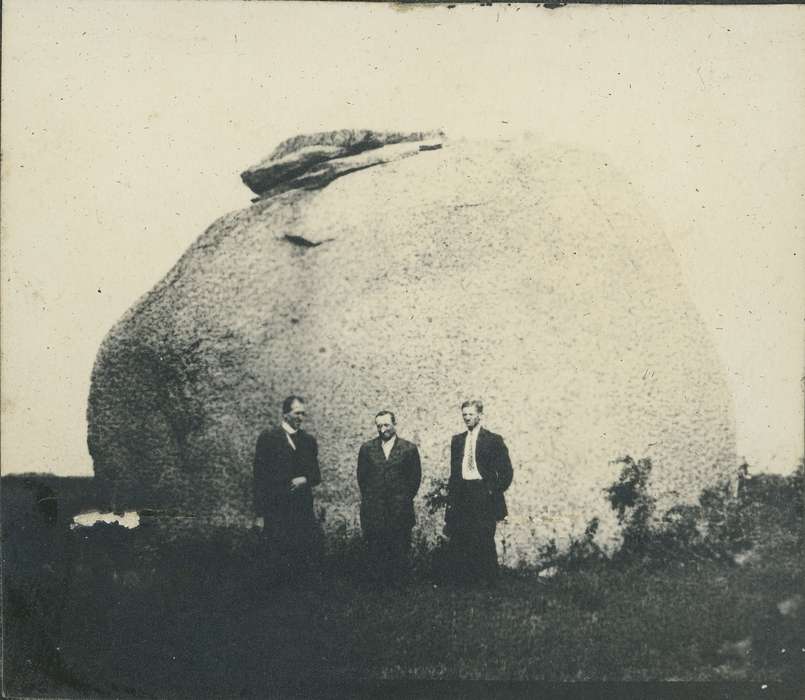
(723, 523)
(630, 498)
(724, 518)
(581, 553)
(548, 553)
(584, 552)
(797, 485)
(436, 497)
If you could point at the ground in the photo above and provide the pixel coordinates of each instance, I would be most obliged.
(112, 612)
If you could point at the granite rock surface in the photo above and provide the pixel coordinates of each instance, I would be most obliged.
(409, 272)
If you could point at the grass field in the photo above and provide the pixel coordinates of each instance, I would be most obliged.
(111, 612)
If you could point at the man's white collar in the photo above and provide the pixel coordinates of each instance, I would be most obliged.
(287, 428)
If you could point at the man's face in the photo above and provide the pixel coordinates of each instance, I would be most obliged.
(471, 416)
(296, 415)
(385, 427)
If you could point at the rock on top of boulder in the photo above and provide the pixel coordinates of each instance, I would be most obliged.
(295, 157)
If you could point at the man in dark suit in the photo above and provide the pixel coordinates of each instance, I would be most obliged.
(480, 471)
(389, 473)
(286, 468)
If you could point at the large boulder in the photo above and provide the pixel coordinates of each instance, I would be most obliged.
(409, 272)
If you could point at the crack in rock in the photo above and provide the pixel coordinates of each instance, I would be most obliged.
(304, 242)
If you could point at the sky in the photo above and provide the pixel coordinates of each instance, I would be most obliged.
(125, 126)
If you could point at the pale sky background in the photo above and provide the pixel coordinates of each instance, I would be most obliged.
(125, 126)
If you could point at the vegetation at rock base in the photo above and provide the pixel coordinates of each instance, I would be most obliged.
(709, 591)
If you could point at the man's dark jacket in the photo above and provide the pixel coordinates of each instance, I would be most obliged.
(275, 464)
(493, 463)
(388, 486)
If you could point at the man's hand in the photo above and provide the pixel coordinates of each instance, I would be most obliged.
(297, 483)
(259, 522)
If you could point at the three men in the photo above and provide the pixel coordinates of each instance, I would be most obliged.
(286, 468)
(480, 471)
(389, 474)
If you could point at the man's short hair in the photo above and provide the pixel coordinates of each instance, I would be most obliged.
(477, 403)
(386, 413)
(286, 405)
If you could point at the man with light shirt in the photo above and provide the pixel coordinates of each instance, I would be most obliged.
(480, 471)
(286, 468)
(389, 474)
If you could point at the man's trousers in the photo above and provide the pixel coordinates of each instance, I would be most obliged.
(471, 548)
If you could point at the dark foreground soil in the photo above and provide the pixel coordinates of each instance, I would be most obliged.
(109, 612)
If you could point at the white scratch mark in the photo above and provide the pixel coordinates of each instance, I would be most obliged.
(129, 519)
